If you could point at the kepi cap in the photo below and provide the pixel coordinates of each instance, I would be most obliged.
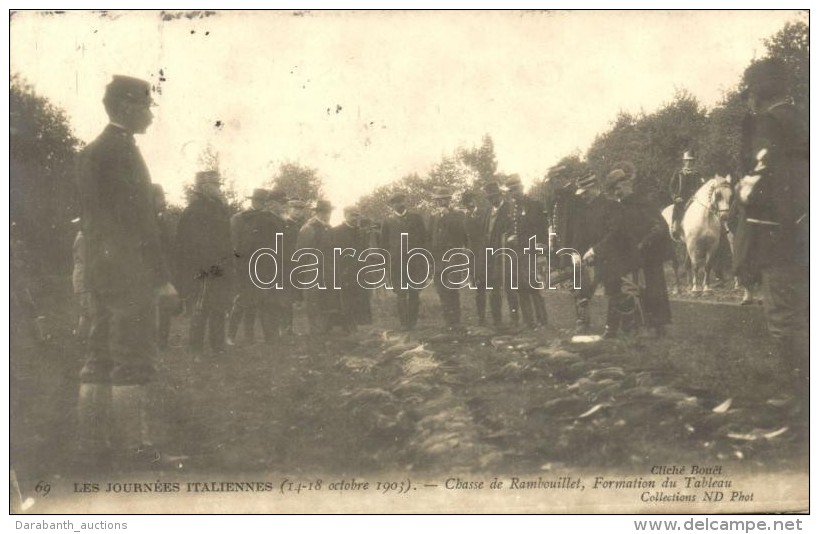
(128, 89)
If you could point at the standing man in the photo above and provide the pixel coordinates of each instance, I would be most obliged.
(649, 233)
(474, 222)
(125, 274)
(528, 219)
(294, 220)
(272, 300)
(772, 234)
(315, 234)
(249, 231)
(204, 259)
(353, 298)
(607, 248)
(499, 277)
(410, 223)
(682, 187)
(447, 232)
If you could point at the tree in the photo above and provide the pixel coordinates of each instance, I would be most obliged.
(791, 44)
(482, 160)
(42, 177)
(298, 181)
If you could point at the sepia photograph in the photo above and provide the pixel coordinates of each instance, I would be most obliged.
(408, 262)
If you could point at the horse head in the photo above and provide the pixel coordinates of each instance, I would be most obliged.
(721, 193)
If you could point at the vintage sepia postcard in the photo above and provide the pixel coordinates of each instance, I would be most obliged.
(408, 262)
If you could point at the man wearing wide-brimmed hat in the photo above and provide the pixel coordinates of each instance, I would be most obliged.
(772, 232)
(125, 274)
(447, 232)
(403, 221)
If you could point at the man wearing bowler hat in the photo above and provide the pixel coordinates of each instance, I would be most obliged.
(403, 221)
(125, 274)
(447, 232)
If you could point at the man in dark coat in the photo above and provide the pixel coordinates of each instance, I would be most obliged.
(315, 234)
(353, 298)
(125, 274)
(249, 231)
(648, 232)
(294, 219)
(610, 250)
(475, 220)
(447, 232)
(772, 233)
(204, 261)
(402, 221)
(528, 220)
(682, 187)
(500, 278)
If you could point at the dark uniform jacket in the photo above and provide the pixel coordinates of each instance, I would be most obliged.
(203, 248)
(774, 227)
(413, 225)
(497, 225)
(684, 184)
(528, 218)
(118, 220)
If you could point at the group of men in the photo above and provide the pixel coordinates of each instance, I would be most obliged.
(129, 263)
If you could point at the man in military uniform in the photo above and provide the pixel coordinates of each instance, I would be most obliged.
(204, 259)
(249, 231)
(607, 248)
(404, 221)
(315, 234)
(447, 232)
(772, 233)
(474, 223)
(682, 187)
(528, 219)
(125, 274)
(499, 277)
(273, 301)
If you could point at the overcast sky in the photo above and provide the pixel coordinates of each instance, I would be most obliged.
(368, 97)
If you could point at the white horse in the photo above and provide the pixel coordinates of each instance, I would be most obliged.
(701, 226)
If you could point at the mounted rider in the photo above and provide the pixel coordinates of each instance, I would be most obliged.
(682, 187)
